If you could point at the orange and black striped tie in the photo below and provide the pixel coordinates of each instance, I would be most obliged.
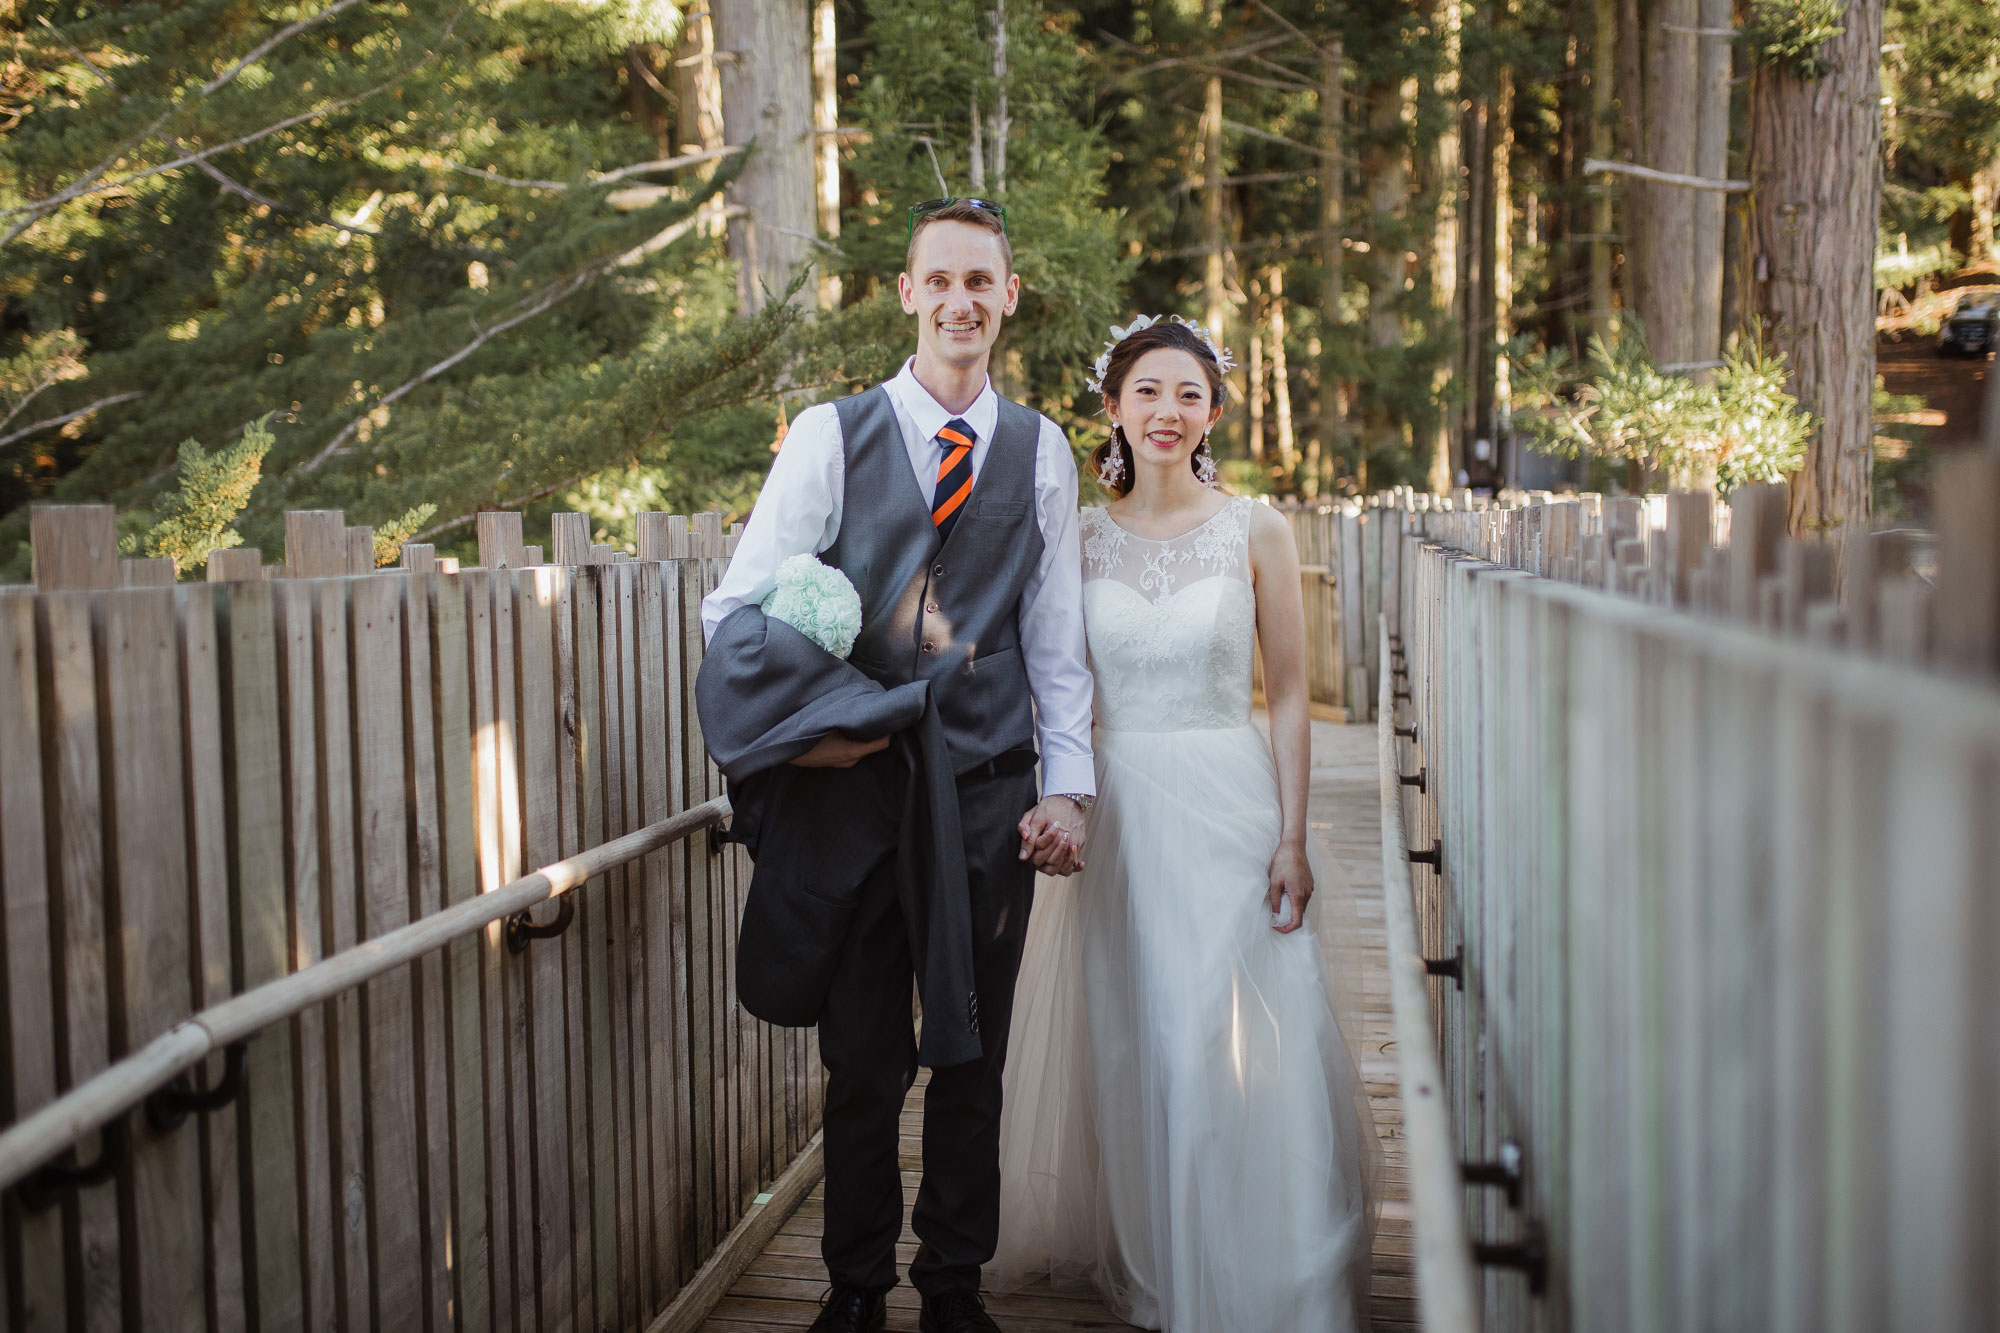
(954, 479)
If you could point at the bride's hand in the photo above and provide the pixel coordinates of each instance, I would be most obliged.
(1291, 877)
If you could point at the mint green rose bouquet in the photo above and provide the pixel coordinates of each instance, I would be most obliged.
(818, 602)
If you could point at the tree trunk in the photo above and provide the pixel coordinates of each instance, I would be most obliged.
(1254, 375)
(1214, 299)
(1816, 177)
(1333, 180)
(1387, 170)
(1501, 311)
(1281, 384)
(826, 124)
(1448, 268)
(765, 50)
(1672, 132)
(1602, 110)
(1711, 160)
(997, 131)
(698, 97)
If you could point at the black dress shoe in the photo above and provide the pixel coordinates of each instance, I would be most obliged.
(850, 1310)
(956, 1312)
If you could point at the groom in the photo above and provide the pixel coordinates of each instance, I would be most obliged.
(953, 512)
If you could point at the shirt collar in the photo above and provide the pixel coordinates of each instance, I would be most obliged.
(929, 416)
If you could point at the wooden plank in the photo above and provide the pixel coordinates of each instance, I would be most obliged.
(430, 976)
(512, 1267)
(634, 1260)
(360, 549)
(534, 616)
(254, 785)
(238, 565)
(500, 541)
(1690, 523)
(420, 557)
(473, 1250)
(74, 546)
(1805, 570)
(150, 935)
(1870, 558)
(663, 1013)
(315, 543)
(611, 1262)
(577, 1035)
(1968, 582)
(531, 556)
(297, 642)
(212, 940)
(1903, 619)
(569, 539)
(340, 913)
(513, 1048)
(147, 572)
(701, 993)
(654, 539)
(1756, 526)
(36, 1299)
(70, 672)
(387, 1004)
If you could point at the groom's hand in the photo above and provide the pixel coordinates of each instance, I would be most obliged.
(1052, 836)
(837, 751)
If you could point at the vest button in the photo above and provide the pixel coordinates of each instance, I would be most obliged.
(931, 608)
(937, 571)
(930, 647)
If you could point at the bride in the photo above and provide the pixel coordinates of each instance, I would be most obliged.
(1183, 1123)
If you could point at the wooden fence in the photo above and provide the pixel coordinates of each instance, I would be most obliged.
(207, 787)
(1341, 551)
(1708, 899)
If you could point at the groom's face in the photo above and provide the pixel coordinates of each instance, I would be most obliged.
(959, 288)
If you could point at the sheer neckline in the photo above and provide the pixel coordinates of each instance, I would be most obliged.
(1179, 536)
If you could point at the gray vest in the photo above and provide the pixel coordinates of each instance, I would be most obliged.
(945, 613)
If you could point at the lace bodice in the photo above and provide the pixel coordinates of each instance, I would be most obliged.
(1171, 625)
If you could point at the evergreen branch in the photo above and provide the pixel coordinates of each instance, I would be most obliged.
(1294, 28)
(548, 297)
(26, 431)
(276, 39)
(1269, 137)
(86, 184)
(1594, 165)
(234, 186)
(525, 309)
(597, 178)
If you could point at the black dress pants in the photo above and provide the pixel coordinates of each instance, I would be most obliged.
(867, 1040)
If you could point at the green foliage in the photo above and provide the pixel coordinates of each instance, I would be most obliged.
(1793, 34)
(1740, 428)
(196, 517)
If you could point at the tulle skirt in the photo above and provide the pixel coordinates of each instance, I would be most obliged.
(1184, 1126)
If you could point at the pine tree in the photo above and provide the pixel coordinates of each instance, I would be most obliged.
(411, 230)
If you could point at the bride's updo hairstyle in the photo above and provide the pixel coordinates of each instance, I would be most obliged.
(1125, 355)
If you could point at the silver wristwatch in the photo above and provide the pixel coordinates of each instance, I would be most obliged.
(1082, 801)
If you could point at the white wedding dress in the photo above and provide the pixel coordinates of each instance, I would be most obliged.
(1183, 1123)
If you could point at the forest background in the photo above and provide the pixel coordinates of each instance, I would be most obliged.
(417, 259)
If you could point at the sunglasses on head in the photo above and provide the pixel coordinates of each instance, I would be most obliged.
(930, 206)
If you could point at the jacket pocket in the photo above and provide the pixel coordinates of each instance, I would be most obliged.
(1001, 511)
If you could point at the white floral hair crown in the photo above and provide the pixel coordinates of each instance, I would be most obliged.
(1103, 364)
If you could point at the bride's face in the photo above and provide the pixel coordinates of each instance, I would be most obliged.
(1165, 408)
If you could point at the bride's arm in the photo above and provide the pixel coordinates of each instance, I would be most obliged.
(1281, 635)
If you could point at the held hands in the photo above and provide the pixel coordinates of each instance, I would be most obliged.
(1291, 879)
(1052, 836)
(837, 751)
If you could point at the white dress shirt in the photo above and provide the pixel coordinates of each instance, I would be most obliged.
(798, 511)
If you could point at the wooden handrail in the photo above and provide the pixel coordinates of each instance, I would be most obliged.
(33, 1141)
(1445, 1276)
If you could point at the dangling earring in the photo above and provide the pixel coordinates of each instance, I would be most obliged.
(1111, 472)
(1204, 463)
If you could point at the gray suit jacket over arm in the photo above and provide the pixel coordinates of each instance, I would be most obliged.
(765, 695)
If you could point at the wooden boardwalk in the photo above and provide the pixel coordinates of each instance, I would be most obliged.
(782, 1287)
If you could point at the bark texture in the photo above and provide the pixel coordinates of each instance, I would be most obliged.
(765, 54)
(1816, 175)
